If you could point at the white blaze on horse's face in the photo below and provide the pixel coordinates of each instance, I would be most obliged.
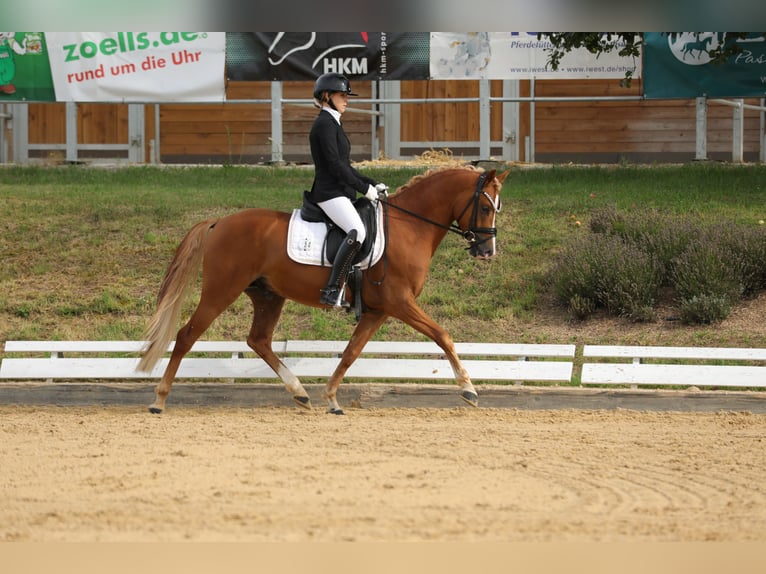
(485, 245)
(497, 204)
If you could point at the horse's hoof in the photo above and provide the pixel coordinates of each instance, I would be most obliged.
(470, 397)
(304, 402)
(334, 411)
(155, 410)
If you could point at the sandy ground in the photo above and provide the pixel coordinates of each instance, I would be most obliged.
(280, 474)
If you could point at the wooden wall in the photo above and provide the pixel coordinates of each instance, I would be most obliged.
(97, 124)
(447, 121)
(654, 130)
(241, 133)
(648, 130)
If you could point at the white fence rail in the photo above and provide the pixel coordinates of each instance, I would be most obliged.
(380, 360)
(676, 366)
(605, 365)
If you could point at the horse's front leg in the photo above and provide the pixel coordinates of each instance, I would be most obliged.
(416, 318)
(365, 329)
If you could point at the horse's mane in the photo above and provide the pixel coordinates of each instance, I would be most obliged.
(414, 180)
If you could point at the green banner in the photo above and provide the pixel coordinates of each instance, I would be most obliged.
(25, 72)
(679, 66)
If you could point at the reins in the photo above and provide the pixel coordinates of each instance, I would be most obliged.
(467, 234)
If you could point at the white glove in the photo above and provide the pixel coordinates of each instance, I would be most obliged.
(372, 193)
(382, 189)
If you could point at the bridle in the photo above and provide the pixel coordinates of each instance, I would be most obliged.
(469, 234)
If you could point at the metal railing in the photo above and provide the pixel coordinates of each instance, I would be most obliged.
(386, 112)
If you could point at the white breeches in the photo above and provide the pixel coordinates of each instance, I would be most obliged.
(342, 212)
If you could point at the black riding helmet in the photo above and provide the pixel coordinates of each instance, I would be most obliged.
(332, 82)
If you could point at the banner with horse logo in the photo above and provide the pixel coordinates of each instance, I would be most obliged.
(680, 66)
(518, 55)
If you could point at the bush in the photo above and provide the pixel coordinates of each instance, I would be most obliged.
(746, 248)
(628, 258)
(706, 281)
(660, 235)
(705, 309)
(605, 271)
(574, 277)
(607, 220)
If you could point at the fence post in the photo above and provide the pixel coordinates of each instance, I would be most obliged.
(762, 138)
(71, 132)
(530, 152)
(391, 119)
(700, 153)
(375, 121)
(20, 131)
(4, 115)
(136, 133)
(276, 122)
(484, 119)
(738, 132)
(511, 121)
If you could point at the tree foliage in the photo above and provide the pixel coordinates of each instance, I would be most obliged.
(627, 44)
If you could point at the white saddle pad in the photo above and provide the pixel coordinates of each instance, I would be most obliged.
(306, 239)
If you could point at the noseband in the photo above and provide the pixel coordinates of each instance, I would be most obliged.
(472, 231)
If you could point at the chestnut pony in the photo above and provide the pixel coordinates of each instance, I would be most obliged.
(247, 252)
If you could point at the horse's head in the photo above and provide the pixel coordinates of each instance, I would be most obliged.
(477, 219)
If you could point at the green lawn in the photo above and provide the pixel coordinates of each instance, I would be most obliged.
(83, 250)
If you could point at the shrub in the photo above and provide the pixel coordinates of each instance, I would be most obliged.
(622, 265)
(607, 220)
(663, 236)
(746, 248)
(605, 271)
(705, 309)
(707, 276)
(574, 277)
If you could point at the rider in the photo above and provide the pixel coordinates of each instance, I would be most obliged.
(335, 180)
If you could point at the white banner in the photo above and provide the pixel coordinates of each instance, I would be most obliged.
(517, 56)
(138, 66)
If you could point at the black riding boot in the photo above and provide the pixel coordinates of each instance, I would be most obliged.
(331, 295)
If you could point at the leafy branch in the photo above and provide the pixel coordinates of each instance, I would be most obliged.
(628, 44)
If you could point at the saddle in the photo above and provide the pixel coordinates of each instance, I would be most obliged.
(311, 212)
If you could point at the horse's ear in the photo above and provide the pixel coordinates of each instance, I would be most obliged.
(502, 176)
(490, 176)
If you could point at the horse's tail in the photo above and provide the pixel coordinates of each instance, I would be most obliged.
(175, 285)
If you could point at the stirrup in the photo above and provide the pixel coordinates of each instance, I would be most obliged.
(333, 297)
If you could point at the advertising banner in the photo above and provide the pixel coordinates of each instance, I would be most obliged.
(137, 66)
(517, 55)
(25, 74)
(303, 56)
(679, 66)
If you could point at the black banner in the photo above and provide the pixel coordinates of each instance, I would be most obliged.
(301, 56)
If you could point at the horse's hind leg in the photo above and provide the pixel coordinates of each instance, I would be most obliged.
(203, 316)
(267, 308)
